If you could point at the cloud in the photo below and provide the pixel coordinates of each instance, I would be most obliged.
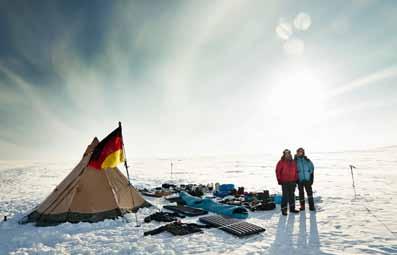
(174, 72)
(371, 79)
(28, 91)
(10, 97)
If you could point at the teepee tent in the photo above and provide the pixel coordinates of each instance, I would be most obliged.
(89, 195)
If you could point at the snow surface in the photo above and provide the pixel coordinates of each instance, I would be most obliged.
(342, 225)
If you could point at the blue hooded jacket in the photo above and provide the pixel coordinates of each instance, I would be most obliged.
(305, 168)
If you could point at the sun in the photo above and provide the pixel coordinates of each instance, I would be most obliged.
(297, 95)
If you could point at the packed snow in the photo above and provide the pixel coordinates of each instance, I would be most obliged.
(343, 224)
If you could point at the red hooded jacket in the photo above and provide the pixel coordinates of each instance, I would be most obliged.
(286, 171)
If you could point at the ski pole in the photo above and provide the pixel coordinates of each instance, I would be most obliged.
(354, 185)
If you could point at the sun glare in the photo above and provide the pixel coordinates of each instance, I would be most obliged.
(297, 95)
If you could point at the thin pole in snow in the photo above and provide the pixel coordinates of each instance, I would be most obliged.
(364, 205)
(172, 167)
(354, 185)
(128, 175)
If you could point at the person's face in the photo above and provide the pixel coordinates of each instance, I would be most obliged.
(300, 153)
(287, 154)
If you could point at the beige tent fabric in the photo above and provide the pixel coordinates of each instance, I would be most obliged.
(87, 194)
(124, 193)
(93, 193)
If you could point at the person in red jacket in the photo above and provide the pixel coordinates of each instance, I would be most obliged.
(287, 177)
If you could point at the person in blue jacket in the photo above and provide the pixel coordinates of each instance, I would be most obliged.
(305, 178)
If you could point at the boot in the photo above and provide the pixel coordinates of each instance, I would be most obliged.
(302, 206)
(284, 212)
(311, 204)
(293, 210)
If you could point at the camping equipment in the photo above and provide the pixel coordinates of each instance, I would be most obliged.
(178, 229)
(277, 199)
(197, 192)
(224, 190)
(232, 226)
(166, 189)
(168, 186)
(249, 197)
(88, 195)
(257, 196)
(232, 201)
(253, 205)
(263, 196)
(185, 210)
(217, 186)
(175, 199)
(155, 193)
(212, 206)
(240, 191)
(263, 206)
(163, 216)
(194, 189)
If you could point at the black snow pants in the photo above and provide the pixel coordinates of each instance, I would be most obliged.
(302, 186)
(288, 190)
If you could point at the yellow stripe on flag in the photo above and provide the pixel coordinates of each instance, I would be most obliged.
(113, 159)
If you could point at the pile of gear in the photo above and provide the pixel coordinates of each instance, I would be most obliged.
(254, 201)
(163, 217)
(219, 193)
(167, 189)
(178, 228)
(192, 200)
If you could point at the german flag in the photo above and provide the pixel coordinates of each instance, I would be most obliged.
(109, 152)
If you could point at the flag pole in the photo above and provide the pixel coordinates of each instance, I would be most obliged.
(125, 157)
(128, 174)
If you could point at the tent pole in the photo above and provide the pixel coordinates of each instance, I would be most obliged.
(128, 175)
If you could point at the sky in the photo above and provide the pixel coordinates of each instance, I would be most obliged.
(191, 78)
